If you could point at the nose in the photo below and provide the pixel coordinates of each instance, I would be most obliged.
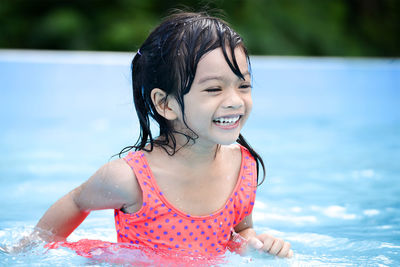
(233, 100)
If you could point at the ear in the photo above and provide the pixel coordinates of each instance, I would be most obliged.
(166, 106)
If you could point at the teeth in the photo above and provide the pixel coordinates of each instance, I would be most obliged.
(226, 120)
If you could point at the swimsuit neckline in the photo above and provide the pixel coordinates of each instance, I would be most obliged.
(196, 217)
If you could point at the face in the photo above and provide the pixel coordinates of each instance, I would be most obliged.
(218, 103)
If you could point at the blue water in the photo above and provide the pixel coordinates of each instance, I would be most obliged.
(327, 128)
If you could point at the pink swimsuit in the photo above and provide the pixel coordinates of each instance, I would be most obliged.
(158, 224)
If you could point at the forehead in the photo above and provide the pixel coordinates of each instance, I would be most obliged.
(214, 63)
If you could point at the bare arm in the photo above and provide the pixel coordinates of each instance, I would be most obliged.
(62, 218)
(113, 186)
(264, 241)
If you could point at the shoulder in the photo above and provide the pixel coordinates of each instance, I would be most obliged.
(113, 185)
(114, 173)
(237, 151)
(234, 149)
(116, 170)
(232, 153)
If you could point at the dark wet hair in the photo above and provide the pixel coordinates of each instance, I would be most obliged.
(168, 60)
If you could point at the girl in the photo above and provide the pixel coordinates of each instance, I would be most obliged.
(189, 189)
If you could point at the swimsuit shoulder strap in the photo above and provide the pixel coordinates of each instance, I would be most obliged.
(137, 161)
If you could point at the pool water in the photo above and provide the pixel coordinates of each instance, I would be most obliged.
(327, 128)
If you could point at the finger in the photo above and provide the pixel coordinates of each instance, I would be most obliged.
(284, 251)
(254, 242)
(265, 236)
(276, 246)
(267, 241)
(290, 254)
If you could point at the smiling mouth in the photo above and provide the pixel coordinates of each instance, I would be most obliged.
(227, 121)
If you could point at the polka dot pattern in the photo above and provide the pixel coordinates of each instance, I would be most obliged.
(158, 224)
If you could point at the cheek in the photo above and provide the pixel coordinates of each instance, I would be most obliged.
(249, 104)
(194, 116)
(198, 115)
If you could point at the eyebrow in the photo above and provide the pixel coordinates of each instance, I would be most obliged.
(208, 78)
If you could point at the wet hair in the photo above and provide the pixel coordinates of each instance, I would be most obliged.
(168, 60)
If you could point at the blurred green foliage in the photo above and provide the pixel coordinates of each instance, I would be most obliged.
(269, 27)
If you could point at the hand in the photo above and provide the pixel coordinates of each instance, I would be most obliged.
(25, 244)
(269, 244)
(11, 250)
(3, 249)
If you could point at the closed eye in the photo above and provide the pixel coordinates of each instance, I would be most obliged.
(212, 90)
(245, 86)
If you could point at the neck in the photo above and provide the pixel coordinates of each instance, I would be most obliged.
(194, 153)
